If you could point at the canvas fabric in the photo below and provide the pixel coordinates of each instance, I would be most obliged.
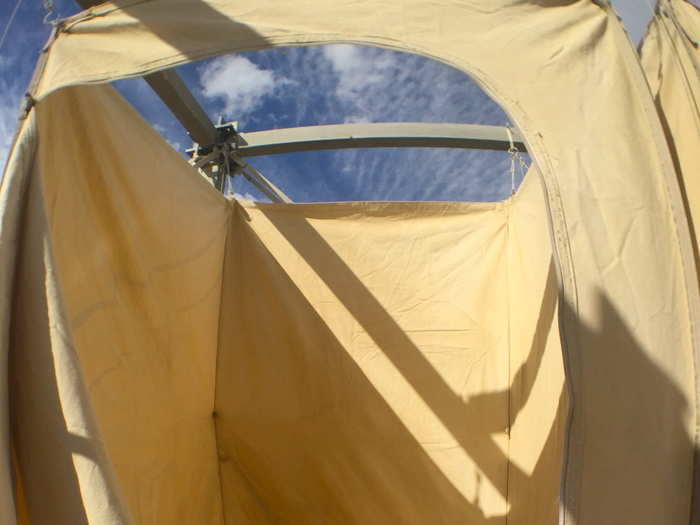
(178, 358)
(671, 61)
(213, 361)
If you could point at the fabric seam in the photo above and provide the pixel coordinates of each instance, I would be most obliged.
(216, 363)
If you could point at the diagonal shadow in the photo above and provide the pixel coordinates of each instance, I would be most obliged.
(638, 453)
(363, 438)
(304, 431)
(170, 30)
(626, 394)
(409, 360)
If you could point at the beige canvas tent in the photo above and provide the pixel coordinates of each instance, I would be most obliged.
(174, 357)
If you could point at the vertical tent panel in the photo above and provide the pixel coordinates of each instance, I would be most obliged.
(137, 241)
(374, 355)
(60, 458)
(538, 397)
(671, 61)
(361, 333)
(12, 197)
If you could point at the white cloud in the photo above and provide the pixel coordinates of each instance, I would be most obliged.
(368, 84)
(165, 133)
(341, 83)
(239, 83)
(361, 71)
(358, 119)
(358, 68)
(244, 197)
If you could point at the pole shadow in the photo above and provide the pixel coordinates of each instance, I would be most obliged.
(391, 476)
(637, 459)
(158, 21)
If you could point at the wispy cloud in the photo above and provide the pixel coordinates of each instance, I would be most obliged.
(244, 196)
(374, 85)
(316, 85)
(8, 124)
(321, 85)
(360, 71)
(343, 83)
(12, 89)
(239, 84)
(25, 38)
(166, 134)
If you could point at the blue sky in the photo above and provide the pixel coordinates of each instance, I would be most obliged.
(318, 85)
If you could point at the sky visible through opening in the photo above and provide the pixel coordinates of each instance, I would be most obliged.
(301, 86)
(289, 87)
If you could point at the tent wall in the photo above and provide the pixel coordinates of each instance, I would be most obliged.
(375, 355)
(58, 452)
(671, 61)
(567, 76)
(135, 247)
(376, 361)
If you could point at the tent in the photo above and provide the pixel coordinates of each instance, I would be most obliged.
(175, 357)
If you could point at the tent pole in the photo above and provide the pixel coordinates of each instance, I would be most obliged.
(377, 135)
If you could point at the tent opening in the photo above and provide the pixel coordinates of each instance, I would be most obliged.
(291, 87)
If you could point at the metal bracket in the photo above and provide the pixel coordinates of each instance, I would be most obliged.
(220, 160)
(213, 159)
(224, 133)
